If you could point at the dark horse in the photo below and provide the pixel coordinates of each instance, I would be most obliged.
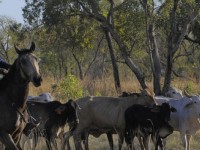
(14, 88)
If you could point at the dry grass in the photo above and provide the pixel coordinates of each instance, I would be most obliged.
(106, 87)
(101, 143)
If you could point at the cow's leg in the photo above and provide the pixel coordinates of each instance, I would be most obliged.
(77, 135)
(160, 143)
(66, 137)
(50, 139)
(77, 141)
(129, 138)
(53, 140)
(2, 146)
(188, 137)
(141, 141)
(183, 139)
(33, 140)
(110, 140)
(120, 139)
(84, 138)
(145, 142)
(48, 143)
(7, 140)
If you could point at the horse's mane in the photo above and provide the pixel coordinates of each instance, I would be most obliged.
(8, 77)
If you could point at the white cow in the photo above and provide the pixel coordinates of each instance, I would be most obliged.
(44, 97)
(186, 119)
(174, 93)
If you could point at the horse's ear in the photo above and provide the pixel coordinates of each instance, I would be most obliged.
(16, 49)
(32, 48)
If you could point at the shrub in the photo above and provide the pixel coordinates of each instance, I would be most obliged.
(69, 88)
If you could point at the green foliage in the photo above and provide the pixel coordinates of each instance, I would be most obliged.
(69, 36)
(69, 88)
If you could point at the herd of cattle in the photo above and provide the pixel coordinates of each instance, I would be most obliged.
(130, 115)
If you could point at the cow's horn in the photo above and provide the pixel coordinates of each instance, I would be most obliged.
(186, 94)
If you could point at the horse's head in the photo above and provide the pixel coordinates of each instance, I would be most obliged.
(27, 63)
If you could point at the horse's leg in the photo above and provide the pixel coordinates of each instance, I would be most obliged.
(17, 139)
(23, 141)
(110, 140)
(7, 140)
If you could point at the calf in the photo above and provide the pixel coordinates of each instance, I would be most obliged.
(52, 116)
(143, 121)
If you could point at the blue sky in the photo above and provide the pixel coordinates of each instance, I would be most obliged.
(12, 9)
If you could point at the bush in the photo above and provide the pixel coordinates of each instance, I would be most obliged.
(69, 88)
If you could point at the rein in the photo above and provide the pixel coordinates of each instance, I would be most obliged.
(22, 116)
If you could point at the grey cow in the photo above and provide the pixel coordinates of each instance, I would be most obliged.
(106, 114)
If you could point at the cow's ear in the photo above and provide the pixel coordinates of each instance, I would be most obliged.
(60, 110)
(72, 103)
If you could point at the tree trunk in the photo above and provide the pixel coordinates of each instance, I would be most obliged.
(109, 40)
(155, 59)
(114, 64)
(152, 46)
(79, 66)
(123, 49)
